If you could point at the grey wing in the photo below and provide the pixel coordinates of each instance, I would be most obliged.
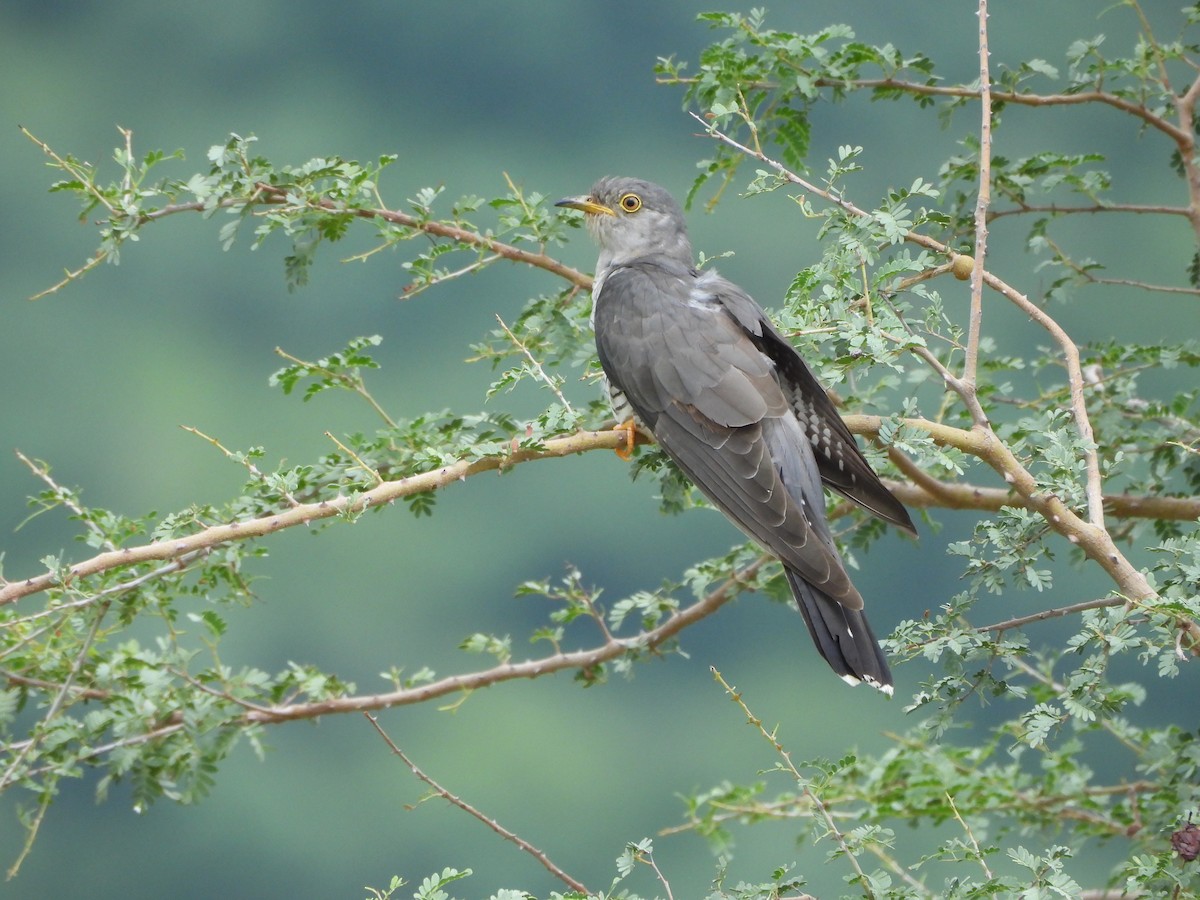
(696, 378)
(839, 459)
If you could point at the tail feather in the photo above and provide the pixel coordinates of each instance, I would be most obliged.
(842, 637)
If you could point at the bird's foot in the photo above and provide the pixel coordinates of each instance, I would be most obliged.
(631, 436)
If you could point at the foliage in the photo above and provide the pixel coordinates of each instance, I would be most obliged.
(1099, 464)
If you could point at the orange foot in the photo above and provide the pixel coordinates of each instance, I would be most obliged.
(631, 436)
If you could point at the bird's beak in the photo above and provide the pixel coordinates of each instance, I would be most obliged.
(587, 205)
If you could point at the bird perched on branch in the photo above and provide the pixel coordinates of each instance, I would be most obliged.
(696, 361)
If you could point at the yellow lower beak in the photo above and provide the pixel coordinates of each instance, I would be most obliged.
(587, 205)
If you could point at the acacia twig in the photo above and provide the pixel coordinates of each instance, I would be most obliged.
(491, 823)
(801, 781)
(928, 492)
(1055, 210)
(979, 857)
(352, 383)
(537, 366)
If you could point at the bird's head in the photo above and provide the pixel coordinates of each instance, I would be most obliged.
(630, 218)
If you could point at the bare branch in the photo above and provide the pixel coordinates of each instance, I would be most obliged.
(1175, 132)
(1055, 613)
(982, 201)
(1056, 210)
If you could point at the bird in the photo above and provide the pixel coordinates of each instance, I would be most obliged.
(694, 360)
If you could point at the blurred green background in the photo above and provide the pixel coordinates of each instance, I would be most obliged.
(99, 377)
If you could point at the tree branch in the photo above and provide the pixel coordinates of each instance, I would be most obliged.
(612, 648)
(1056, 210)
(306, 513)
(1174, 132)
(278, 195)
(982, 201)
(1055, 613)
(926, 491)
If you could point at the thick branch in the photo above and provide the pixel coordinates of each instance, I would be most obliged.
(1185, 107)
(928, 492)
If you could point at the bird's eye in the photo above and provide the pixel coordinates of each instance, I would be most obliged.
(631, 203)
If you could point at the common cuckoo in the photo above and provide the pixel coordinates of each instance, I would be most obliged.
(696, 361)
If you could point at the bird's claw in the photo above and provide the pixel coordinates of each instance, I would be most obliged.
(631, 434)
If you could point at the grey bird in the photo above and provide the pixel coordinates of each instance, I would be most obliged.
(693, 359)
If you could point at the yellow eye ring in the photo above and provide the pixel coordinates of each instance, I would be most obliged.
(631, 203)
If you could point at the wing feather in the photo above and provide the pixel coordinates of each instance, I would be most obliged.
(721, 415)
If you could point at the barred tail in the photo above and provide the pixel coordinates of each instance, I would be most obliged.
(842, 636)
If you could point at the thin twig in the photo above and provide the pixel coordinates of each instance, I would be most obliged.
(1144, 285)
(174, 725)
(362, 464)
(42, 471)
(537, 366)
(803, 783)
(412, 290)
(240, 458)
(970, 836)
(78, 170)
(1055, 210)
(495, 826)
(354, 384)
(55, 707)
(647, 857)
